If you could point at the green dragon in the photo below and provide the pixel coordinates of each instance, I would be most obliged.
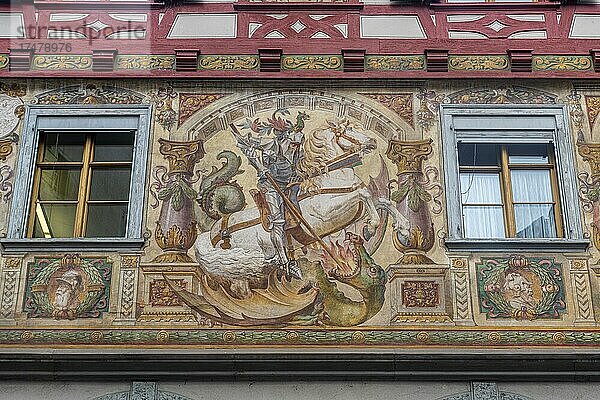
(218, 195)
(316, 300)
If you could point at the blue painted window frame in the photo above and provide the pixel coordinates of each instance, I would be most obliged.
(515, 123)
(79, 117)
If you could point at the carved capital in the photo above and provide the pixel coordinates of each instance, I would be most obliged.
(409, 156)
(182, 156)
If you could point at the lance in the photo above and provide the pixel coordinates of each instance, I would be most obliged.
(294, 210)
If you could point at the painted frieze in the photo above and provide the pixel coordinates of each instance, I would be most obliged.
(296, 215)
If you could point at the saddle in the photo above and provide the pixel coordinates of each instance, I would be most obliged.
(293, 227)
(291, 222)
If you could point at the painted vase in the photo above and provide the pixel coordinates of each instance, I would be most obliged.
(411, 199)
(590, 188)
(176, 231)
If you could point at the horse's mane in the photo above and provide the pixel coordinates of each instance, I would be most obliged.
(317, 151)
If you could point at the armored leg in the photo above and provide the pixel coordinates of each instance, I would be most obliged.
(277, 235)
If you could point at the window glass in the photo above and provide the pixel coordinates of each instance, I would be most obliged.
(506, 190)
(484, 222)
(83, 184)
(54, 220)
(480, 188)
(114, 146)
(59, 184)
(63, 147)
(106, 220)
(472, 154)
(535, 221)
(110, 184)
(531, 186)
(528, 154)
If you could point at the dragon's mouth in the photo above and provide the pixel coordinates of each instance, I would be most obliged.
(345, 263)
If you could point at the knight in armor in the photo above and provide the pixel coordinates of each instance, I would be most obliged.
(276, 154)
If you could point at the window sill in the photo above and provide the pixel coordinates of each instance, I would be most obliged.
(69, 245)
(518, 245)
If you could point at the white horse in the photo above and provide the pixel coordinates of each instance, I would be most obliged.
(331, 199)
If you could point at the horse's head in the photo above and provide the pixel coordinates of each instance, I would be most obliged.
(350, 139)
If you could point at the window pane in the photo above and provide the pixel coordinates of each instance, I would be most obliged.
(60, 147)
(59, 184)
(483, 221)
(531, 186)
(480, 188)
(535, 221)
(475, 154)
(528, 154)
(110, 184)
(54, 220)
(114, 146)
(106, 220)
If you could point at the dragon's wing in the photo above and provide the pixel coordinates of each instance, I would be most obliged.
(275, 304)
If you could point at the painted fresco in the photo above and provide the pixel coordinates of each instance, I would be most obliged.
(299, 216)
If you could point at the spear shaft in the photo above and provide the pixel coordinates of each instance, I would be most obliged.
(294, 210)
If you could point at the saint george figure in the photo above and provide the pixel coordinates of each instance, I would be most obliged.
(274, 149)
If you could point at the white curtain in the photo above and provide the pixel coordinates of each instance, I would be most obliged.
(483, 214)
(533, 220)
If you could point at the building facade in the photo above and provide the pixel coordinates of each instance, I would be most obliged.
(281, 190)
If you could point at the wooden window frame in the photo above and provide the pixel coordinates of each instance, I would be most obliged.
(512, 123)
(503, 169)
(100, 118)
(86, 165)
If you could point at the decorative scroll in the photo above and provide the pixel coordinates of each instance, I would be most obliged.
(593, 109)
(477, 63)
(62, 62)
(236, 63)
(146, 62)
(394, 63)
(311, 62)
(589, 187)
(6, 175)
(429, 107)
(89, 94)
(521, 288)
(401, 104)
(11, 111)
(190, 103)
(163, 100)
(562, 63)
(502, 95)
